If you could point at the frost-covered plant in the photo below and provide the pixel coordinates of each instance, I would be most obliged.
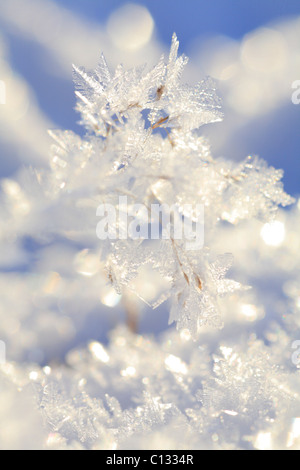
(142, 143)
(229, 389)
(123, 153)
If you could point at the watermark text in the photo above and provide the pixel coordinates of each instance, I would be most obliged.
(158, 221)
(296, 354)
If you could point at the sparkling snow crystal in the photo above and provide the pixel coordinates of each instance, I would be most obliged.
(124, 154)
(61, 286)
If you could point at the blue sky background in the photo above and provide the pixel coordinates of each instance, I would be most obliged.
(234, 18)
(273, 136)
(194, 17)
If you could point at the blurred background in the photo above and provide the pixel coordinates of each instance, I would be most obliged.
(251, 48)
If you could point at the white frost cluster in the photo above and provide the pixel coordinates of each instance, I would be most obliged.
(142, 394)
(124, 153)
(234, 388)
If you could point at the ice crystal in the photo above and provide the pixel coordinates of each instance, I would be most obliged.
(105, 101)
(139, 393)
(193, 389)
(143, 143)
(123, 154)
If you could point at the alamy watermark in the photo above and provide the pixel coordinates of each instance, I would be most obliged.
(296, 354)
(2, 92)
(2, 352)
(158, 221)
(296, 94)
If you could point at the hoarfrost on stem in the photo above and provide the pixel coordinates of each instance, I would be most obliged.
(123, 153)
(229, 390)
(143, 142)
